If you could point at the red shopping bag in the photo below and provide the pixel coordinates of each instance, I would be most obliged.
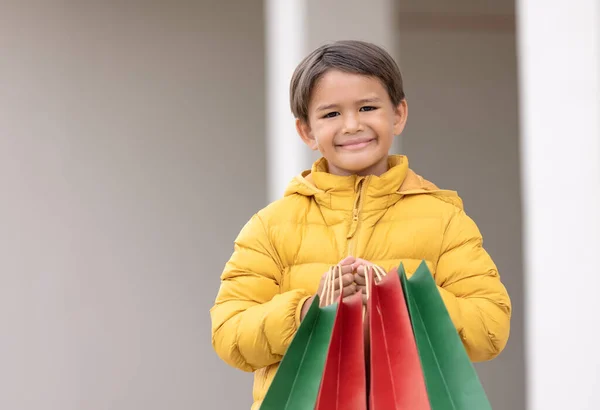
(397, 381)
(343, 385)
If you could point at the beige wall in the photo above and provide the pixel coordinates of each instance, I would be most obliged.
(131, 151)
(462, 133)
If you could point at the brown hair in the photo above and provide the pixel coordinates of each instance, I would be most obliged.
(350, 56)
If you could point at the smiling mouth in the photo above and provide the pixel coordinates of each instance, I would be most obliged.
(356, 144)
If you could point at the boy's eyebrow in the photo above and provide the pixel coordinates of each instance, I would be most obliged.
(326, 107)
(363, 101)
(369, 100)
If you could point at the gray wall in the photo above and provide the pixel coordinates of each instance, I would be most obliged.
(462, 133)
(131, 152)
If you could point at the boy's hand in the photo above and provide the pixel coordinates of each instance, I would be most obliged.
(360, 272)
(348, 285)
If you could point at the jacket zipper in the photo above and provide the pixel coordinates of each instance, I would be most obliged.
(355, 216)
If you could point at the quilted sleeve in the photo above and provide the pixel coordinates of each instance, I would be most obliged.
(470, 286)
(252, 322)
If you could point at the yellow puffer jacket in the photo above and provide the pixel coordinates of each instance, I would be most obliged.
(281, 253)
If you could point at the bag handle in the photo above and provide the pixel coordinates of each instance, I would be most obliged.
(325, 291)
(379, 271)
(368, 274)
(327, 296)
(369, 270)
(337, 273)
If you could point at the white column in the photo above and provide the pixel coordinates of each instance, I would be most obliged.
(559, 55)
(286, 46)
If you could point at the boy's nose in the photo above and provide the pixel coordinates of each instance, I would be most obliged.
(351, 124)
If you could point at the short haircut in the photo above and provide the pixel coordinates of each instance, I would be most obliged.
(350, 56)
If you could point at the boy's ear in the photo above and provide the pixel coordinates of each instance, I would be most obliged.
(400, 116)
(306, 134)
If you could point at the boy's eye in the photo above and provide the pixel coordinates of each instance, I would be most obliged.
(331, 114)
(368, 108)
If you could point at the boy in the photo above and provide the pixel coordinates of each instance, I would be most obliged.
(356, 206)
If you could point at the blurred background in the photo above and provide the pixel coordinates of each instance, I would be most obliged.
(137, 137)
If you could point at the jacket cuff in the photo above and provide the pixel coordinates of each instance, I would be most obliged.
(451, 302)
(299, 310)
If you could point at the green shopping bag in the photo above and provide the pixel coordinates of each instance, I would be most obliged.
(451, 379)
(296, 383)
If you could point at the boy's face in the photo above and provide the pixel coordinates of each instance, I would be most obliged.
(352, 122)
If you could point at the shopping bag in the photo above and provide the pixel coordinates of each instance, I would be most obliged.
(396, 376)
(343, 385)
(296, 383)
(451, 379)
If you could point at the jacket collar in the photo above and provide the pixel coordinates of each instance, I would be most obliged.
(378, 192)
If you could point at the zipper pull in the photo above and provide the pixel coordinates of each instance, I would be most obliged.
(354, 224)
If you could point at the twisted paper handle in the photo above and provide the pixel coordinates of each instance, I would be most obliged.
(379, 272)
(369, 270)
(325, 290)
(327, 296)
